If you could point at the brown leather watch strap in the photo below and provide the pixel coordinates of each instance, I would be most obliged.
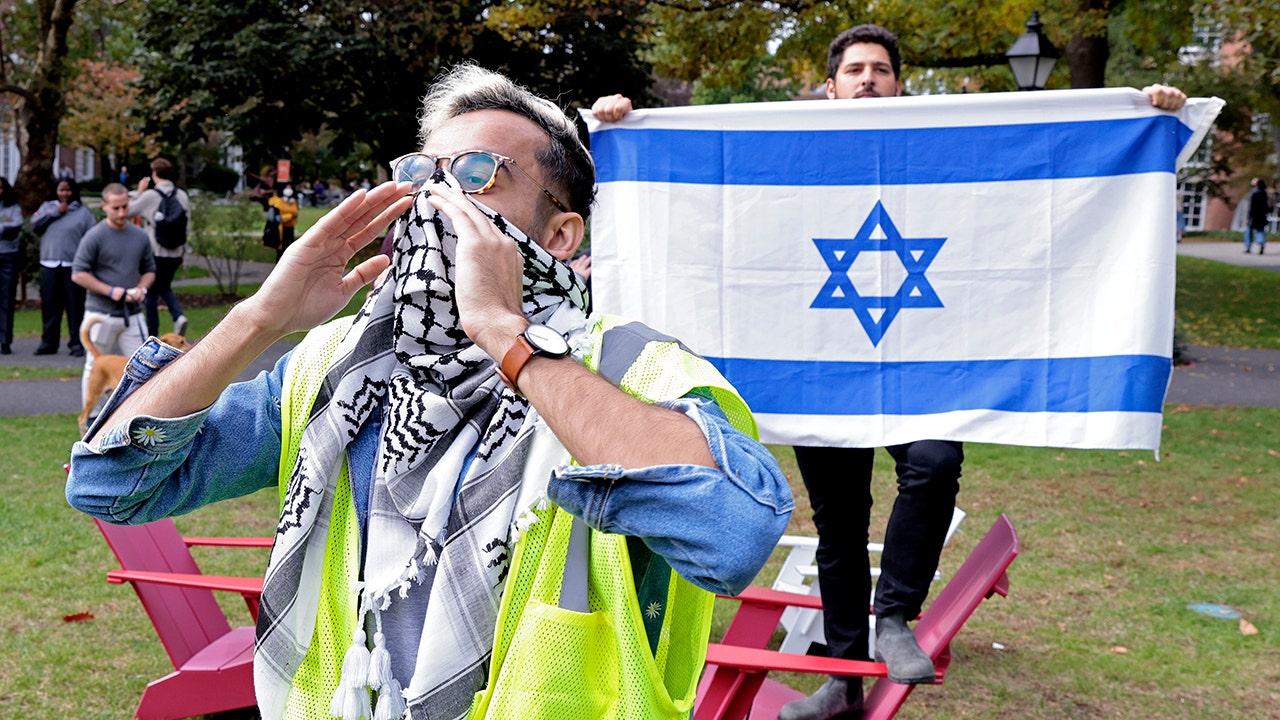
(515, 360)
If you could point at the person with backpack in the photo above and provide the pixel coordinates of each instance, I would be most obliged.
(164, 209)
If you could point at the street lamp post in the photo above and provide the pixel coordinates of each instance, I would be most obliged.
(1032, 56)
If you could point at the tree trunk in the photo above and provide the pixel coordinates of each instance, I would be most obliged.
(37, 146)
(42, 105)
(1087, 55)
(1087, 61)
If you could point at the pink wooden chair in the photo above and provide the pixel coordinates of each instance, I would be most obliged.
(213, 663)
(735, 687)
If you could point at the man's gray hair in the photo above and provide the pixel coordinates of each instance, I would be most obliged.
(468, 88)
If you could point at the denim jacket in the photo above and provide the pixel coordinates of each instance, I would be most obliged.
(714, 526)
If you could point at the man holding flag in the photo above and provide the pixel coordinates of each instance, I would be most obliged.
(865, 62)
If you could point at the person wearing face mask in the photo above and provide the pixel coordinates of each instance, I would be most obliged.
(435, 448)
(287, 206)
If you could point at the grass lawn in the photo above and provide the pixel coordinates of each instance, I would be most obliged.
(1114, 547)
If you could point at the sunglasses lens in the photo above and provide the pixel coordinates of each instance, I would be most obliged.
(414, 169)
(474, 171)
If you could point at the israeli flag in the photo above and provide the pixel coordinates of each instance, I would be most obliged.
(987, 268)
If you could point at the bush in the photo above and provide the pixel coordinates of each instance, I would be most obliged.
(93, 186)
(219, 179)
(222, 236)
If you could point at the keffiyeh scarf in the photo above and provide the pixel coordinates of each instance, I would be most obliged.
(446, 496)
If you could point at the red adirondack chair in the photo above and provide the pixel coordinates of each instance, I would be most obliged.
(213, 663)
(734, 685)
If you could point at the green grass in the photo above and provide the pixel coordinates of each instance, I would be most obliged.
(1114, 546)
(1227, 305)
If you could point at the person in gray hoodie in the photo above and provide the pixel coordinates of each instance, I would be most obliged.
(10, 233)
(61, 223)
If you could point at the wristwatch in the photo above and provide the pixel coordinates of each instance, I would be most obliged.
(536, 339)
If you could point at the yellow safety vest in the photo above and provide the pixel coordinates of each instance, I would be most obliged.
(613, 673)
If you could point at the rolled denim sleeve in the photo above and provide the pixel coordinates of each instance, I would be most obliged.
(142, 469)
(714, 526)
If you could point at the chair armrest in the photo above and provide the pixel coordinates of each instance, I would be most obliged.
(243, 585)
(759, 659)
(756, 595)
(257, 542)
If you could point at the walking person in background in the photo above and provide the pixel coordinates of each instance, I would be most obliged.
(115, 264)
(61, 223)
(165, 223)
(287, 205)
(1259, 209)
(10, 231)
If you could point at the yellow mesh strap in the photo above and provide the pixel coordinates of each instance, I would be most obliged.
(665, 371)
(317, 677)
(651, 685)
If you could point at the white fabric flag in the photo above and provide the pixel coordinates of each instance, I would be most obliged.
(988, 268)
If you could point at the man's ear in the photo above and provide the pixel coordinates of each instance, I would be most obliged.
(562, 234)
(831, 89)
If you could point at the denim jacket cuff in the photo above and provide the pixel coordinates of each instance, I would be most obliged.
(155, 435)
(149, 359)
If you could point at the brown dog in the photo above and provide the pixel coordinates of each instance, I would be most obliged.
(108, 369)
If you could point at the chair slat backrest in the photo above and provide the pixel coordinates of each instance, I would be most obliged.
(186, 619)
(981, 574)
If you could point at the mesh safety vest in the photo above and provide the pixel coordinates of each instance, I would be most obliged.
(628, 680)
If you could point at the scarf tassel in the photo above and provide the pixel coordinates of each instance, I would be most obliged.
(391, 704)
(379, 663)
(351, 699)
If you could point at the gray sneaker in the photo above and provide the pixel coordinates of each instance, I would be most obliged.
(180, 326)
(839, 697)
(897, 648)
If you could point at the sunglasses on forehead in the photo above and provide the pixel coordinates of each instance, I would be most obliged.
(476, 171)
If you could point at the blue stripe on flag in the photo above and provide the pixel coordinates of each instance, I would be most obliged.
(1118, 383)
(891, 156)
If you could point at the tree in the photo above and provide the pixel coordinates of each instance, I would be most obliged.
(935, 35)
(268, 72)
(35, 74)
(101, 109)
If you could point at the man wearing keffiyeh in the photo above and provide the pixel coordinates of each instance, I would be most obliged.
(415, 433)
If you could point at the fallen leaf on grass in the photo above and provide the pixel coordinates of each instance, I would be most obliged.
(1119, 649)
(87, 616)
(1247, 628)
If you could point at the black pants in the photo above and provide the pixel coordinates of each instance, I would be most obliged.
(8, 290)
(839, 485)
(58, 295)
(162, 289)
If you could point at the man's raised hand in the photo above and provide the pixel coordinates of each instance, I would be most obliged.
(311, 282)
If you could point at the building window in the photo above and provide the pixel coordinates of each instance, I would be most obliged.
(1191, 200)
(1206, 45)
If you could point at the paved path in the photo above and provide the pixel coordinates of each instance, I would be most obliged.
(1214, 376)
(1232, 252)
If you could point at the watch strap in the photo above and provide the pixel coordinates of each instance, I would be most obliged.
(515, 360)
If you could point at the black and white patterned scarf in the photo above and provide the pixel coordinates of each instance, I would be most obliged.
(447, 496)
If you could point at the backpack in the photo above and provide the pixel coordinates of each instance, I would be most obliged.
(171, 221)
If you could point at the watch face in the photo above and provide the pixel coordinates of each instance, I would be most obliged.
(546, 340)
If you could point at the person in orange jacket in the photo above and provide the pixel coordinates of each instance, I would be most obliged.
(287, 205)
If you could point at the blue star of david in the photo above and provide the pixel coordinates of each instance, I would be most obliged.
(915, 292)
